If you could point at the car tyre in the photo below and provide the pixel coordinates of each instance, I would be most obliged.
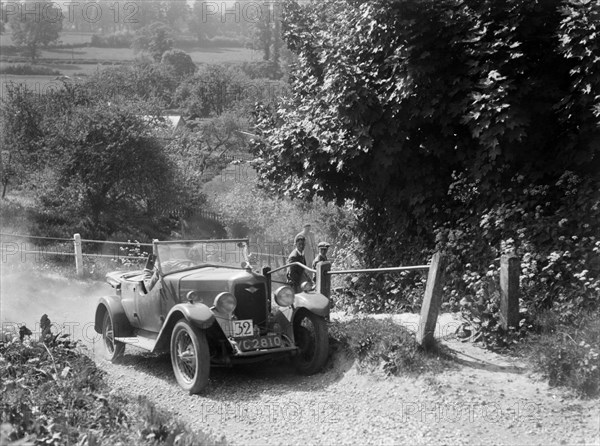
(312, 339)
(113, 349)
(190, 357)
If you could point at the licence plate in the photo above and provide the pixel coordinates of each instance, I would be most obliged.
(264, 342)
(243, 328)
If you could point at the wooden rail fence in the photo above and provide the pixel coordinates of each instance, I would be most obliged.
(509, 276)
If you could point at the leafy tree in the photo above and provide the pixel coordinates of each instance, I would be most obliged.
(154, 40)
(39, 23)
(473, 125)
(113, 175)
(146, 14)
(176, 13)
(26, 118)
(391, 99)
(203, 23)
(264, 34)
(213, 90)
(179, 61)
(149, 82)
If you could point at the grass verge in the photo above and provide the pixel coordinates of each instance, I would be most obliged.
(568, 355)
(383, 345)
(53, 394)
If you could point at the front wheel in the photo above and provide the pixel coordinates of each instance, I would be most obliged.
(190, 357)
(113, 349)
(311, 336)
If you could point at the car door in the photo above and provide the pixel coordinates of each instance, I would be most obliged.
(149, 309)
(129, 292)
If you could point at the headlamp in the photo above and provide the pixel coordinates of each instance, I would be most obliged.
(225, 303)
(284, 296)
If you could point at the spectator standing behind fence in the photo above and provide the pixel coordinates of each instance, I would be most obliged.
(310, 247)
(321, 257)
(296, 273)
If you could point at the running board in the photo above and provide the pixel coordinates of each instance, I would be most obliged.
(145, 342)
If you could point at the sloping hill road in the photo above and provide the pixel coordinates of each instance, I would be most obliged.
(483, 399)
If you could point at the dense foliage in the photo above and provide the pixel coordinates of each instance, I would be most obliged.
(114, 175)
(154, 40)
(39, 26)
(101, 160)
(568, 354)
(53, 394)
(460, 125)
(385, 346)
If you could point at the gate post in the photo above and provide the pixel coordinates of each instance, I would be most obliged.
(510, 270)
(78, 255)
(324, 282)
(324, 278)
(432, 301)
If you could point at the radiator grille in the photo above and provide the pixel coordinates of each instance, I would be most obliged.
(252, 303)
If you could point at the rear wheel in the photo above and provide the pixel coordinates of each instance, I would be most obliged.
(190, 357)
(311, 336)
(113, 349)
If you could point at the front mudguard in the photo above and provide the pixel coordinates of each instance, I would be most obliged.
(314, 302)
(112, 305)
(196, 314)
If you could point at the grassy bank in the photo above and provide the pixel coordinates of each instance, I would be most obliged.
(53, 394)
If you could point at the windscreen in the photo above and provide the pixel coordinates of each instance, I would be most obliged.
(178, 256)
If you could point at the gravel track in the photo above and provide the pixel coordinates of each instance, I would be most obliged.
(483, 398)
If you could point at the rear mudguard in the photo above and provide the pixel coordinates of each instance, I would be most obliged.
(197, 314)
(112, 304)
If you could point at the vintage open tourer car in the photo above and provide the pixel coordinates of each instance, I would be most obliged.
(196, 301)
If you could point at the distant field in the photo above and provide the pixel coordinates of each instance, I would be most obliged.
(87, 60)
(65, 38)
(199, 55)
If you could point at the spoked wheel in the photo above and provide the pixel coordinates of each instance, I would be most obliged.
(113, 349)
(190, 357)
(310, 334)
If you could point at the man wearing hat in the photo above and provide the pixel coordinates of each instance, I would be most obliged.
(296, 273)
(322, 256)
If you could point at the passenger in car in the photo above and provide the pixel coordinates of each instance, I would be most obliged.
(150, 273)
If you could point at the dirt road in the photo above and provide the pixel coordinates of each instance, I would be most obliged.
(483, 398)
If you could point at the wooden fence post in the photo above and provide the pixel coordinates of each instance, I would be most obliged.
(510, 270)
(324, 279)
(432, 301)
(78, 255)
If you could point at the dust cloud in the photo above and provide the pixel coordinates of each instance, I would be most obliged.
(70, 304)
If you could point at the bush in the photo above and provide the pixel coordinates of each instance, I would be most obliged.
(179, 61)
(27, 69)
(383, 345)
(569, 356)
(115, 40)
(262, 70)
(383, 293)
(224, 41)
(53, 394)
